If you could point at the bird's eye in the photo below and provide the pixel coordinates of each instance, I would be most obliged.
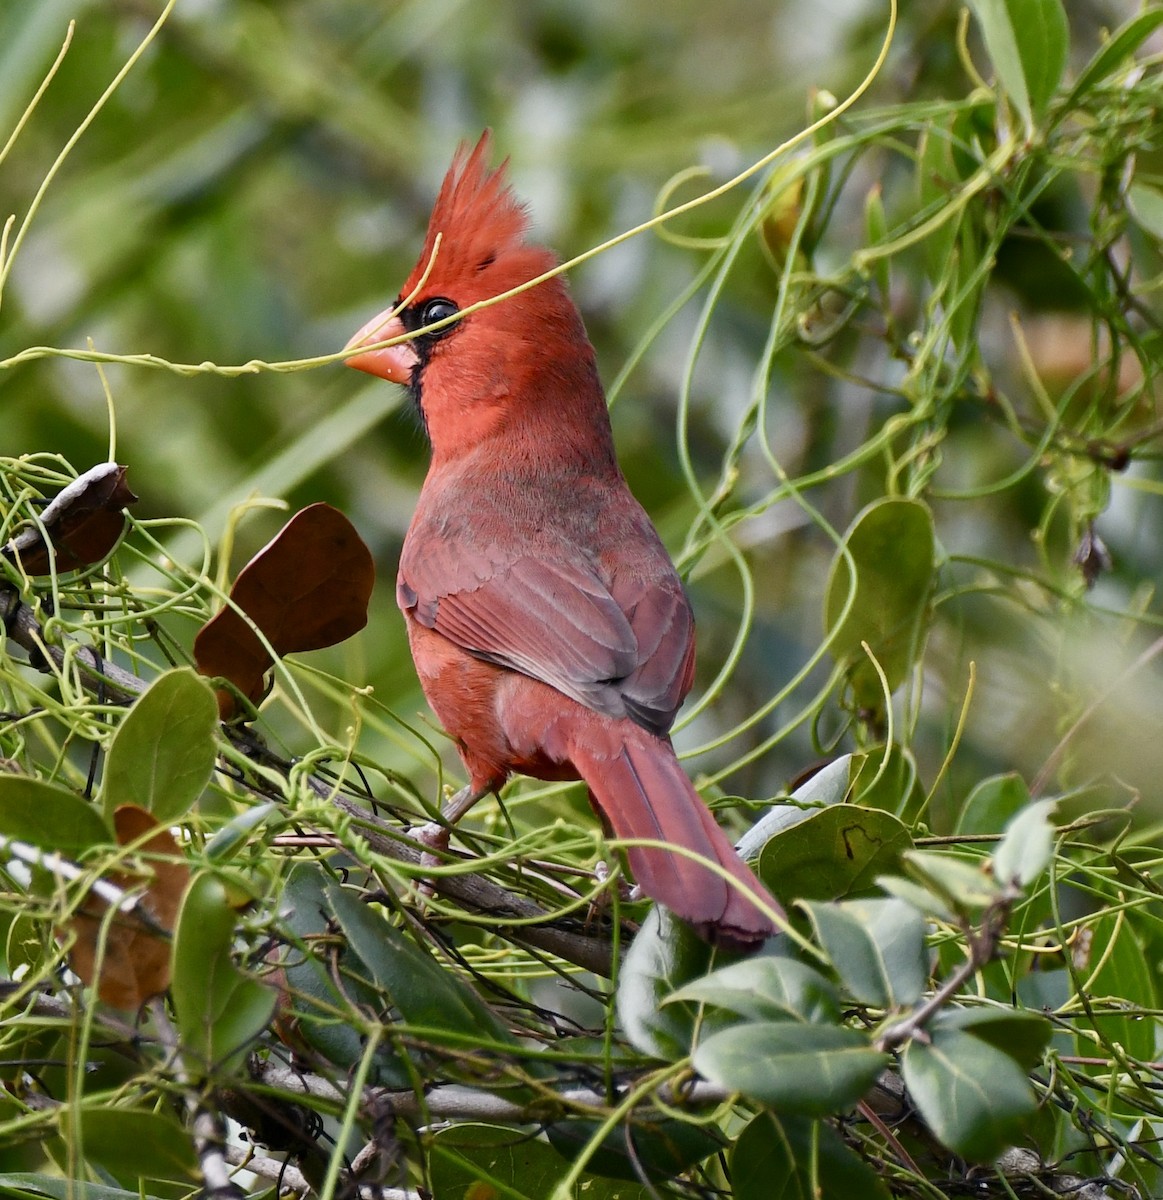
(438, 309)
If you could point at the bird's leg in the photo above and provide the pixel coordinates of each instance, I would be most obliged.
(435, 834)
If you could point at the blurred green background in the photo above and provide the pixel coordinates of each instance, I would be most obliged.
(259, 185)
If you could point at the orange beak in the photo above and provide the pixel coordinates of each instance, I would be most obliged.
(395, 362)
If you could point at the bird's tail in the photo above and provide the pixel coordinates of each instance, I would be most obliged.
(640, 789)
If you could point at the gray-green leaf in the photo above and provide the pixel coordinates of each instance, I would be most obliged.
(890, 546)
(1027, 42)
(877, 947)
(766, 989)
(163, 753)
(1027, 847)
(974, 1097)
(812, 1070)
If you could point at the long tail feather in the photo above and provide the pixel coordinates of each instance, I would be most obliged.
(642, 791)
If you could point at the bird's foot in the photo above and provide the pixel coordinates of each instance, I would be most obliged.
(433, 835)
(626, 890)
(436, 838)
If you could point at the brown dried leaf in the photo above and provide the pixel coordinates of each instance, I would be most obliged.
(136, 961)
(83, 523)
(306, 589)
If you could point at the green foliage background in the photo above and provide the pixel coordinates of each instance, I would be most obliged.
(947, 299)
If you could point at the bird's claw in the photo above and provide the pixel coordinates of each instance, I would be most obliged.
(435, 837)
(626, 890)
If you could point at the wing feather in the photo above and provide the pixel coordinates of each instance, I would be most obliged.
(625, 649)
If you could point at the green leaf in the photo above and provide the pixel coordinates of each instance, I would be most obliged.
(1021, 1034)
(961, 886)
(891, 545)
(24, 945)
(1002, 44)
(921, 898)
(772, 1160)
(1045, 989)
(219, 1009)
(829, 785)
(1146, 206)
(1028, 845)
(877, 947)
(992, 804)
(491, 1162)
(163, 754)
(938, 178)
(891, 786)
(1118, 48)
(1124, 977)
(833, 853)
(1044, 44)
(811, 1070)
(664, 955)
(951, 151)
(328, 983)
(134, 1143)
(36, 1183)
(974, 1097)
(49, 817)
(237, 832)
(783, 199)
(1028, 41)
(973, 134)
(428, 995)
(766, 988)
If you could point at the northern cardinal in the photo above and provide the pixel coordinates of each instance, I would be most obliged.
(548, 626)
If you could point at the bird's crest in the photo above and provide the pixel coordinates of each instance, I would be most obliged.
(478, 218)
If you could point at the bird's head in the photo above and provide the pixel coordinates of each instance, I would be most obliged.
(523, 352)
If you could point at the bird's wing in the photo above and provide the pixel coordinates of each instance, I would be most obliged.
(660, 616)
(556, 621)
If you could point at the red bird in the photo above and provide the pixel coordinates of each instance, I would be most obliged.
(549, 629)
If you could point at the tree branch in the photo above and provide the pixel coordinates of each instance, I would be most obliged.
(458, 1102)
(111, 682)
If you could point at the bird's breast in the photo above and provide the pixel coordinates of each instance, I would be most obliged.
(502, 722)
